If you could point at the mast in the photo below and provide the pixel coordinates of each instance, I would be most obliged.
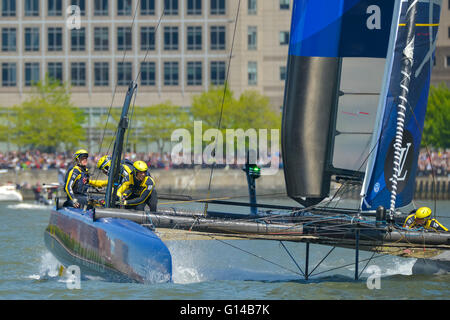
(407, 63)
(113, 176)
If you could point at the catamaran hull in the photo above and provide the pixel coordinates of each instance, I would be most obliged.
(114, 249)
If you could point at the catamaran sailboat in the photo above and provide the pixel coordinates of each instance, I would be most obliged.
(355, 99)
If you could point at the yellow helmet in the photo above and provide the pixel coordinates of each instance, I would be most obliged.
(140, 166)
(104, 162)
(423, 212)
(80, 153)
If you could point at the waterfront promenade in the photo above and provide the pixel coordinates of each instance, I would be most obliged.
(225, 183)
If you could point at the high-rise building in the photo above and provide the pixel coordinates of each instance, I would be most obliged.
(99, 46)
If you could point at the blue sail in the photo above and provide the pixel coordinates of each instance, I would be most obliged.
(340, 28)
(377, 186)
(330, 40)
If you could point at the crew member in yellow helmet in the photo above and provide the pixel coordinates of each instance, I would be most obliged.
(421, 218)
(77, 180)
(139, 189)
(126, 167)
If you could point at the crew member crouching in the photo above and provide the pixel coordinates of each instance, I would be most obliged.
(139, 189)
(421, 219)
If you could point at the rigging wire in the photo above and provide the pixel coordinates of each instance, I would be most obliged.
(219, 125)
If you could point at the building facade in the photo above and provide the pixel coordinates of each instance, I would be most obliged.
(172, 48)
(441, 69)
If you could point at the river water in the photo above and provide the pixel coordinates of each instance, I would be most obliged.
(211, 270)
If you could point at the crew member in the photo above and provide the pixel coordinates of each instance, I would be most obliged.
(421, 219)
(77, 180)
(139, 189)
(126, 167)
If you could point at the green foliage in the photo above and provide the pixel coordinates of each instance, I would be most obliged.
(251, 110)
(436, 131)
(159, 121)
(47, 119)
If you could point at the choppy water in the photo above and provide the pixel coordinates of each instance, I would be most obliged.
(213, 270)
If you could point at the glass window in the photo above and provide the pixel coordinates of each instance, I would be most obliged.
(284, 4)
(9, 76)
(8, 39)
(194, 7)
(55, 70)
(124, 7)
(124, 73)
(31, 73)
(101, 39)
(101, 74)
(194, 73)
(101, 8)
(252, 38)
(147, 7)
(217, 38)
(284, 37)
(54, 7)
(217, 72)
(252, 73)
(283, 73)
(148, 73)
(171, 73)
(31, 8)
(194, 38)
(81, 4)
(171, 38)
(171, 7)
(123, 38)
(147, 38)
(78, 72)
(217, 7)
(252, 7)
(54, 39)
(32, 39)
(78, 39)
(8, 8)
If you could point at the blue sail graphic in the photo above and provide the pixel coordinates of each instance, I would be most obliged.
(340, 28)
(378, 183)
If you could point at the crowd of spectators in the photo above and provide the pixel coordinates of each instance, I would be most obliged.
(35, 160)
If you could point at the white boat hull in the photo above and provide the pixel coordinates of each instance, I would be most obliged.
(10, 193)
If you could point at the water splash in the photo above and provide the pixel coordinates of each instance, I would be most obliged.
(20, 206)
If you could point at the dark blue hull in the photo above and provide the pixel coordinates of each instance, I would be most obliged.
(115, 249)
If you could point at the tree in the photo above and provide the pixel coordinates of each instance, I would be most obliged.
(159, 121)
(251, 110)
(48, 119)
(436, 128)
(246, 115)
